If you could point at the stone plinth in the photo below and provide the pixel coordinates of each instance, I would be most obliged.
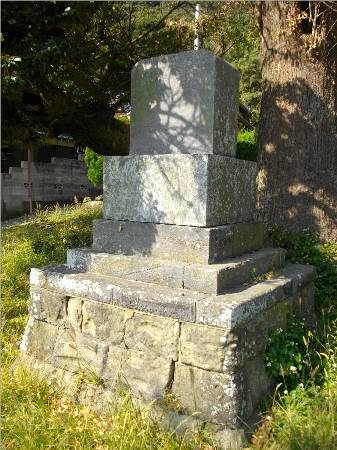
(184, 103)
(203, 245)
(198, 190)
(210, 279)
(192, 355)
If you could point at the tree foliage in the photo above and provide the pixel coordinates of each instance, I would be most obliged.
(66, 65)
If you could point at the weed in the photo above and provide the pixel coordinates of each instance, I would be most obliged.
(304, 363)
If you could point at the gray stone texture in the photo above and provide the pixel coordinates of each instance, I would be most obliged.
(75, 352)
(258, 384)
(157, 336)
(212, 372)
(180, 314)
(225, 311)
(174, 242)
(214, 397)
(158, 300)
(197, 190)
(184, 103)
(47, 305)
(71, 283)
(112, 372)
(212, 279)
(59, 180)
(233, 309)
(155, 299)
(219, 278)
(74, 313)
(205, 347)
(104, 323)
(147, 376)
(39, 339)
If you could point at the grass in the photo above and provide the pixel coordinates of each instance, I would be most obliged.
(40, 417)
(302, 419)
(41, 241)
(35, 414)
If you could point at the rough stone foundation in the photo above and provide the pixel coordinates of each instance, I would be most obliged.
(205, 360)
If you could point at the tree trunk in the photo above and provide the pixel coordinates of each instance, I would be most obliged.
(297, 131)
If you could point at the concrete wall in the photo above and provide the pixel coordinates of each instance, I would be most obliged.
(58, 181)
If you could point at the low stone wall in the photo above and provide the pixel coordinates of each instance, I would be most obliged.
(205, 368)
(58, 181)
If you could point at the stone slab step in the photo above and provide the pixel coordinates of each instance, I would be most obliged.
(209, 279)
(205, 245)
(225, 311)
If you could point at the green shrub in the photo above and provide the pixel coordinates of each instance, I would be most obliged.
(94, 162)
(305, 248)
(246, 145)
(304, 363)
(295, 356)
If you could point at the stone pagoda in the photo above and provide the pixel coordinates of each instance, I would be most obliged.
(175, 300)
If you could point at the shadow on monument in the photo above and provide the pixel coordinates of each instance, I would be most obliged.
(172, 106)
(175, 114)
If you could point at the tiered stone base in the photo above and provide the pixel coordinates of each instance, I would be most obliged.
(176, 298)
(135, 323)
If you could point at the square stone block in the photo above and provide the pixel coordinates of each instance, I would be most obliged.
(39, 339)
(75, 352)
(104, 322)
(146, 376)
(198, 190)
(156, 336)
(47, 305)
(184, 103)
(217, 396)
(180, 243)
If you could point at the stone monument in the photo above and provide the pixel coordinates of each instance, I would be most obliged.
(172, 301)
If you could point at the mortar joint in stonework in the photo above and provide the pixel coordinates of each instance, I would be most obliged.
(179, 338)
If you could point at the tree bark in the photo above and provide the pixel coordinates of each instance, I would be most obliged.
(297, 131)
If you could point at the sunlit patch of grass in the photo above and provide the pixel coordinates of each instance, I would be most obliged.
(38, 416)
(41, 241)
(302, 419)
